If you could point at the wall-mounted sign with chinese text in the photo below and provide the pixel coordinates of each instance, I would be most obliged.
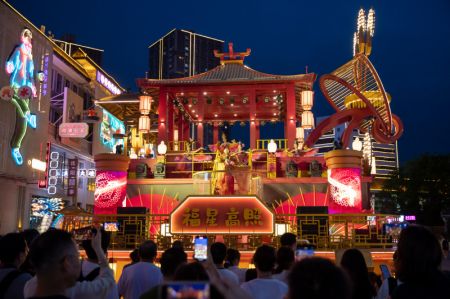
(73, 130)
(72, 177)
(221, 215)
(108, 84)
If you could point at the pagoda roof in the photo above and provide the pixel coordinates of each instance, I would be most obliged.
(230, 72)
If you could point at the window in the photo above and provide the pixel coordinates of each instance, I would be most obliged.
(58, 87)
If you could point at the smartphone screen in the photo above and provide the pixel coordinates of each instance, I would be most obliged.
(301, 253)
(185, 289)
(385, 271)
(201, 248)
(111, 226)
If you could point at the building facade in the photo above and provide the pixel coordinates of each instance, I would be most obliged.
(41, 169)
(182, 53)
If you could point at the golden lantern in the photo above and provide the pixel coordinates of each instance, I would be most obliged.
(307, 100)
(145, 104)
(300, 133)
(144, 124)
(307, 120)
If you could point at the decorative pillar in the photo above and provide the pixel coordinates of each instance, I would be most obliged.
(110, 182)
(344, 179)
(290, 120)
(215, 133)
(162, 115)
(200, 134)
(170, 120)
(254, 127)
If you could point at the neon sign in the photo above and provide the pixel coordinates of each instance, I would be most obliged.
(53, 172)
(108, 84)
(73, 130)
(110, 124)
(221, 214)
(20, 68)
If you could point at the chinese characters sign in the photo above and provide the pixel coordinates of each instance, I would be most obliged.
(221, 214)
(72, 177)
(73, 130)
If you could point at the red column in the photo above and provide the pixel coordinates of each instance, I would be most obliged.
(215, 133)
(180, 126)
(200, 134)
(185, 129)
(254, 127)
(162, 116)
(289, 122)
(170, 119)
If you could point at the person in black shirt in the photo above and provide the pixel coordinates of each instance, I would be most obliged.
(419, 256)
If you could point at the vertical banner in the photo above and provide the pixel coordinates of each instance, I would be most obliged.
(72, 177)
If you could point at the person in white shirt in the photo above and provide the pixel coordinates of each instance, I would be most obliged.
(285, 260)
(102, 286)
(264, 286)
(232, 260)
(140, 277)
(90, 268)
(218, 253)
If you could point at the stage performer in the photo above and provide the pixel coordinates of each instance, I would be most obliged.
(20, 67)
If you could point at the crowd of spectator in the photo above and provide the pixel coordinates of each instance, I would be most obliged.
(49, 266)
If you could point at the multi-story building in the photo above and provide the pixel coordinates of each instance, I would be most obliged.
(182, 53)
(68, 45)
(385, 155)
(42, 166)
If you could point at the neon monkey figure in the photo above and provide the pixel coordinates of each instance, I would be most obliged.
(20, 67)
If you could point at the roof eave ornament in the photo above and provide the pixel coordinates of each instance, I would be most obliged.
(231, 56)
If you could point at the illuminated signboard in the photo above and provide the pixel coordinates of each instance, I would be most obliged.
(53, 169)
(221, 215)
(345, 187)
(110, 191)
(73, 130)
(110, 124)
(108, 84)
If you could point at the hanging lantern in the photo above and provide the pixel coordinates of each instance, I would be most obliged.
(307, 120)
(300, 133)
(307, 99)
(144, 124)
(145, 104)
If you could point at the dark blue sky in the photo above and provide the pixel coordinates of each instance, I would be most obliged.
(411, 49)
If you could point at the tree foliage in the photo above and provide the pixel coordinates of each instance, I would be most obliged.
(421, 187)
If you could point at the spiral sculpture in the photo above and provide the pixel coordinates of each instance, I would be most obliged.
(357, 94)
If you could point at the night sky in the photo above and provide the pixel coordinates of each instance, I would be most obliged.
(411, 47)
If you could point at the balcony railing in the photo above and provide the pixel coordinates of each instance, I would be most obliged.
(325, 232)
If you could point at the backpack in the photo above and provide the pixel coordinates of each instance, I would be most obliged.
(7, 281)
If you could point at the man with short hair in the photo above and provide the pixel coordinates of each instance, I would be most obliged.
(233, 258)
(55, 257)
(289, 240)
(13, 252)
(170, 260)
(97, 288)
(218, 253)
(264, 286)
(142, 276)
